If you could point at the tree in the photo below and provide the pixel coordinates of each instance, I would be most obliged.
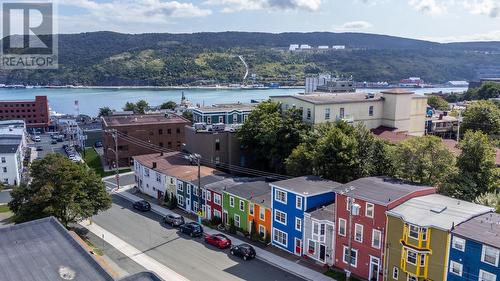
(60, 188)
(423, 159)
(129, 106)
(269, 135)
(188, 115)
(168, 105)
(491, 199)
(105, 111)
(141, 106)
(482, 116)
(477, 161)
(254, 234)
(437, 103)
(487, 91)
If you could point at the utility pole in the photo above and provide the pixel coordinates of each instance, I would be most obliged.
(353, 211)
(115, 137)
(200, 205)
(458, 129)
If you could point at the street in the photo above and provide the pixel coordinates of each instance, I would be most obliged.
(189, 257)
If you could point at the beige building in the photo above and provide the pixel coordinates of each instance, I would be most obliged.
(400, 109)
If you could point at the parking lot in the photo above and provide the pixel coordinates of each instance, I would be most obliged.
(46, 145)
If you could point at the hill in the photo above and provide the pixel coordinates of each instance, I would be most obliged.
(108, 58)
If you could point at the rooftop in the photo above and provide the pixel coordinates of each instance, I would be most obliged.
(226, 183)
(43, 250)
(9, 143)
(209, 179)
(263, 200)
(308, 185)
(147, 119)
(227, 107)
(437, 211)
(333, 98)
(326, 213)
(381, 190)
(484, 229)
(249, 190)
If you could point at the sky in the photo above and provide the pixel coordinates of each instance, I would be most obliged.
(435, 20)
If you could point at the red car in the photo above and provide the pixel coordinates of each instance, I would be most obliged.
(218, 240)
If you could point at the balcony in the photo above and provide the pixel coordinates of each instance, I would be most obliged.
(420, 242)
(417, 264)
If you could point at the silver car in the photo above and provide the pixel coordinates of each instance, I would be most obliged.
(173, 220)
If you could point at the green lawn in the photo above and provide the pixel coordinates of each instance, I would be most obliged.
(94, 162)
(4, 209)
(337, 275)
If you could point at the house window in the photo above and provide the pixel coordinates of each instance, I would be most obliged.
(458, 243)
(369, 210)
(262, 231)
(217, 199)
(376, 238)
(195, 206)
(308, 116)
(298, 224)
(422, 259)
(209, 195)
(217, 214)
(217, 144)
(349, 202)
(298, 202)
(456, 268)
(370, 110)
(342, 112)
(490, 255)
(146, 172)
(280, 217)
(235, 118)
(424, 233)
(327, 113)
(358, 233)
(411, 278)
(251, 208)
(353, 258)
(3, 160)
(180, 200)
(411, 257)
(221, 119)
(413, 231)
(280, 196)
(395, 273)
(486, 276)
(237, 220)
(311, 248)
(180, 187)
(158, 177)
(209, 120)
(188, 190)
(342, 227)
(231, 201)
(280, 237)
(5, 169)
(242, 205)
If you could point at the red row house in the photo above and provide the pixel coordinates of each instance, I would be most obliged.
(373, 196)
(34, 112)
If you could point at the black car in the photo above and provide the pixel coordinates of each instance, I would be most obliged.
(39, 148)
(142, 205)
(173, 219)
(191, 228)
(243, 251)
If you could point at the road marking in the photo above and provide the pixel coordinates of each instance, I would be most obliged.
(134, 254)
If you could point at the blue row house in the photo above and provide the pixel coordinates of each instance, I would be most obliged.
(229, 113)
(198, 194)
(290, 200)
(475, 249)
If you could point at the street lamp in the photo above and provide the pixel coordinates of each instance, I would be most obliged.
(353, 211)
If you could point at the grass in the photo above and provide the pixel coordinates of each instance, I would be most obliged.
(94, 162)
(338, 275)
(96, 250)
(4, 208)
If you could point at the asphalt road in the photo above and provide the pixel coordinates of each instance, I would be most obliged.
(189, 257)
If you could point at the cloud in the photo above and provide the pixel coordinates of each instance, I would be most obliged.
(354, 26)
(489, 8)
(138, 11)
(488, 36)
(430, 7)
(229, 6)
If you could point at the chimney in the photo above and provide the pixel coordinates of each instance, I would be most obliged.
(154, 165)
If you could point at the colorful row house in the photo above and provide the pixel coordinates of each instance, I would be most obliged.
(291, 200)
(475, 249)
(319, 234)
(361, 207)
(419, 235)
(214, 195)
(230, 113)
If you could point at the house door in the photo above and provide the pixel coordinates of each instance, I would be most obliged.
(322, 252)
(374, 268)
(188, 204)
(209, 213)
(224, 217)
(298, 247)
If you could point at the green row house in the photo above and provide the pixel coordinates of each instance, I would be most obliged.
(237, 201)
(231, 113)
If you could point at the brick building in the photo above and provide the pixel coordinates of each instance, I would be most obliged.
(34, 112)
(164, 130)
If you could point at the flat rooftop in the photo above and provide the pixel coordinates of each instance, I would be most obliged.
(483, 229)
(223, 107)
(9, 143)
(326, 213)
(333, 98)
(381, 190)
(250, 190)
(226, 183)
(43, 250)
(308, 185)
(147, 119)
(437, 211)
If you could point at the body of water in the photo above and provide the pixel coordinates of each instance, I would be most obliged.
(90, 100)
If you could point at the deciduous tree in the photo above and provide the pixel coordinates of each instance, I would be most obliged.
(482, 116)
(105, 111)
(438, 103)
(168, 105)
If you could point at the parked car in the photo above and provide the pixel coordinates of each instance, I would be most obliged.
(173, 220)
(192, 229)
(243, 251)
(39, 148)
(37, 138)
(142, 206)
(98, 144)
(53, 141)
(218, 240)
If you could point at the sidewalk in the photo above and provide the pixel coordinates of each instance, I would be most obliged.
(266, 256)
(139, 257)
